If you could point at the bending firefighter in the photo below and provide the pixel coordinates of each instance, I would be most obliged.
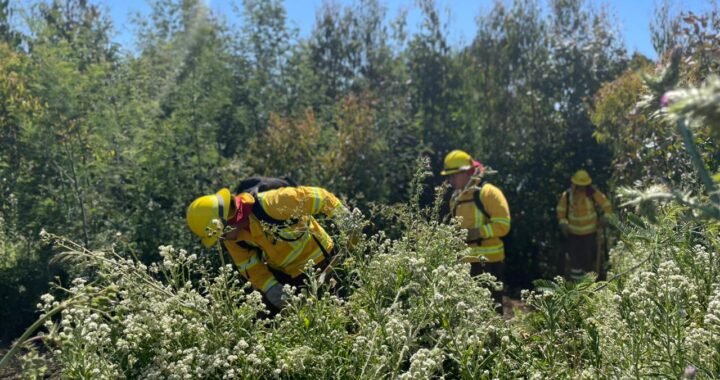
(270, 235)
(579, 223)
(484, 212)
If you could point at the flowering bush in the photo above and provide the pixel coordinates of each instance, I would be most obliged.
(411, 311)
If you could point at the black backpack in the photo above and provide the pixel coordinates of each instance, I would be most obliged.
(259, 184)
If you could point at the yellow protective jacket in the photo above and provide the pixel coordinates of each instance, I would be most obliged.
(576, 209)
(284, 248)
(487, 229)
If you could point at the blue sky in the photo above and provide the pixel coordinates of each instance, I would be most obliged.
(633, 15)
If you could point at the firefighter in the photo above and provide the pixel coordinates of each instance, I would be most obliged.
(579, 222)
(483, 212)
(270, 235)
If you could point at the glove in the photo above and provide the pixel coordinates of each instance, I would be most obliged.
(275, 296)
(474, 234)
(564, 229)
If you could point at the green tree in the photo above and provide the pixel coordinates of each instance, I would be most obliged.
(347, 65)
(8, 34)
(186, 120)
(22, 274)
(434, 93)
(664, 28)
(51, 152)
(266, 45)
(71, 58)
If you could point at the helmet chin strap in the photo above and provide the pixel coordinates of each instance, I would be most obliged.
(221, 208)
(478, 173)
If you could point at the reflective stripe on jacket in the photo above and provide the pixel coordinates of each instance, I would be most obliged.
(284, 248)
(581, 218)
(490, 227)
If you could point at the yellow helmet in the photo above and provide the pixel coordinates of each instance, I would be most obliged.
(456, 161)
(581, 178)
(206, 216)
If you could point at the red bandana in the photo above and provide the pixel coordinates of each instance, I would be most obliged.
(480, 168)
(243, 210)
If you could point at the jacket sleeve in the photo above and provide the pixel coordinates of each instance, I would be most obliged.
(602, 201)
(250, 264)
(292, 202)
(562, 211)
(497, 207)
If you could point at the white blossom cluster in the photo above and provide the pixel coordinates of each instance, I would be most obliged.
(423, 364)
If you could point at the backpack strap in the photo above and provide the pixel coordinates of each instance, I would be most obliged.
(567, 202)
(259, 251)
(246, 245)
(479, 204)
(590, 192)
(264, 217)
(250, 247)
(475, 199)
(324, 250)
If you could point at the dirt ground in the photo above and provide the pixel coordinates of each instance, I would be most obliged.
(510, 305)
(12, 371)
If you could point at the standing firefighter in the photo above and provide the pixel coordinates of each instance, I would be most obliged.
(579, 223)
(270, 235)
(484, 212)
